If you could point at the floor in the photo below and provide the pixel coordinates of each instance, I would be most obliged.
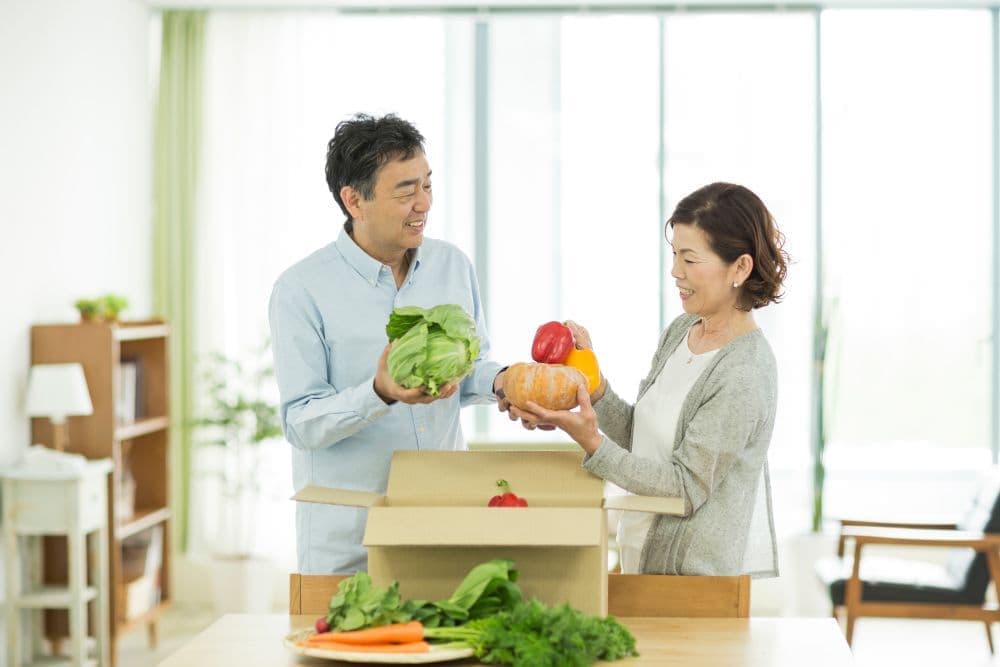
(877, 642)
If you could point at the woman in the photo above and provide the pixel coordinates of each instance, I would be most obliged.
(703, 419)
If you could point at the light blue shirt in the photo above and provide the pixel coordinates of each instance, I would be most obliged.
(328, 314)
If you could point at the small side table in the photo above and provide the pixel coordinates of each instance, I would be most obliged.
(73, 503)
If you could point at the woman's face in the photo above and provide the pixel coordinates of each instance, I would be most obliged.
(705, 281)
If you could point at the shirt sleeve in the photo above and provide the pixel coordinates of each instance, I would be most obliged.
(477, 388)
(314, 414)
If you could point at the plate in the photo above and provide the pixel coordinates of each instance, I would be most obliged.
(434, 655)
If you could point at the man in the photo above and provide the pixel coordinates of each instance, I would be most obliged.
(341, 410)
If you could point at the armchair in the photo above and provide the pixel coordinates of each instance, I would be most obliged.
(905, 588)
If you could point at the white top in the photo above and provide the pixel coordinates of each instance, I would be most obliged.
(655, 426)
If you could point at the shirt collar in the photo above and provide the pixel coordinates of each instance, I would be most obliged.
(367, 266)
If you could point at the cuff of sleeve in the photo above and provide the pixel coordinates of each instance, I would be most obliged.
(373, 406)
(483, 378)
(498, 393)
(601, 458)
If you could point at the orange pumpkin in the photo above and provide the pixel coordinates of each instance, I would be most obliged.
(551, 386)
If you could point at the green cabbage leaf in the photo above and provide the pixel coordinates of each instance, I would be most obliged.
(431, 346)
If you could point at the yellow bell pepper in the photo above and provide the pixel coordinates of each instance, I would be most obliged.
(585, 361)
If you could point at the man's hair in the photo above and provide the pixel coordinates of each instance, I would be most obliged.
(360, 146)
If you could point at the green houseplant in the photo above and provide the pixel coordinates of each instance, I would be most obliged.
(236, 419)
(103, 308)
(90, 309)
(112, 305)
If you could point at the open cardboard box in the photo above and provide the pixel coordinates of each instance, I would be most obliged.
(433, 524)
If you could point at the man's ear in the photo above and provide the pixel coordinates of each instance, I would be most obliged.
(352, 201)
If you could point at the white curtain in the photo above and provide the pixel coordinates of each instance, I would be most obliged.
(276, 85)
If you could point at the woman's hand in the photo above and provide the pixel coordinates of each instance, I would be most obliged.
(580, 425)
(583, 342)
(581, 335)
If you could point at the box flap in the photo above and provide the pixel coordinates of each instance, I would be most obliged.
(449, 479)
(658, 504)
(328, 496)
(485, 526)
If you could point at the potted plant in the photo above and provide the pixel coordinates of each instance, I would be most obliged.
(112, 305)
(236, 420)
(90, 309)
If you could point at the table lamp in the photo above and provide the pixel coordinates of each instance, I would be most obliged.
(58, 391)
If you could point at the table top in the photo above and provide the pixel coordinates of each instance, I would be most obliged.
(251, 640)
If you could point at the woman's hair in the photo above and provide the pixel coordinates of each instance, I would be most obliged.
(737, 223)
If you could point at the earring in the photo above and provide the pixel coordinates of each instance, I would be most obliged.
(735, 284)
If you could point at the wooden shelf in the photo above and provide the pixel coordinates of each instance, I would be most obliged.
(141, 427)
(142, 520)
(140, 330)
(140, 450)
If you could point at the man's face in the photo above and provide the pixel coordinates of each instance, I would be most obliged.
(393, 220)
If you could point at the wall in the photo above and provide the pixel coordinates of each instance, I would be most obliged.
(75, 173)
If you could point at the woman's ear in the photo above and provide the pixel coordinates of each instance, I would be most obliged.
(744, 265)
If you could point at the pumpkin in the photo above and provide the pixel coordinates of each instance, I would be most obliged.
(552, 386)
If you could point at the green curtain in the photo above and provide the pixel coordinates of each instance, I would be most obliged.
(176, 146)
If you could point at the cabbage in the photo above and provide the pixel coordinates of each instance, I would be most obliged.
(431, 346)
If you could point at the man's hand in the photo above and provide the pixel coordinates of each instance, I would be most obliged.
(580, 425)
(390, 392)
(502, 403)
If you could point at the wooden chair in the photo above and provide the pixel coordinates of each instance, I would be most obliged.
(628, 595)
(906, 588)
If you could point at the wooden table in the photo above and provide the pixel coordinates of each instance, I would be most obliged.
(252, 640)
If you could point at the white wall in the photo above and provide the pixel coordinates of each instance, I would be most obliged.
(74, 174)
(75, 144)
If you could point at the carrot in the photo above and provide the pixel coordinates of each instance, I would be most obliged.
(396, 633)
(409, 647)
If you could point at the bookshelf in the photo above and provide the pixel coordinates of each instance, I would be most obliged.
(135, 435)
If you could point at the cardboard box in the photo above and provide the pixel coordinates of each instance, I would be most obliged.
(433, 524)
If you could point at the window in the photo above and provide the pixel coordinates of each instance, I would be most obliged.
(740, 106)
(906, 218)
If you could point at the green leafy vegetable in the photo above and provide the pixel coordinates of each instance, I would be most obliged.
(431, 346)
(487, 588)
(533, 635)
(360, 604)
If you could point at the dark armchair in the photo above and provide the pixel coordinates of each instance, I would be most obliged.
(899, 587)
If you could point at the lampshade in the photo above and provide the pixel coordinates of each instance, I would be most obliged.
(58, 391)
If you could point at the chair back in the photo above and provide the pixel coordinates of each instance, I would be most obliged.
(628, 595)
(310, 593)
(690, 596)
(966, 565)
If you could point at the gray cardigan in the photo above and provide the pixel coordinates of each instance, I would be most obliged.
(719, 454)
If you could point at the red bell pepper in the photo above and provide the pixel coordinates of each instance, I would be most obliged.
(552, 344)
(507, 498)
